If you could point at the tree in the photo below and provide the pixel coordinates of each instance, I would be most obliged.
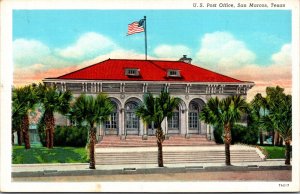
(52, 100)
(259, 108)
(156, 109)
(24, 99)
(273, 98)
(283, 123)
(224, 112)
(89, 111)
(280, 117)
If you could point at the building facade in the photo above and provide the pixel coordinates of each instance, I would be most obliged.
(126, 82)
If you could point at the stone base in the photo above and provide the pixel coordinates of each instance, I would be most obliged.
(144, 137)
(208, 136)
(187, 136)
(122, 137)
(100, 137)
(167, 137)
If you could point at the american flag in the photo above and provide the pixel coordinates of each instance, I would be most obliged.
(135, 27)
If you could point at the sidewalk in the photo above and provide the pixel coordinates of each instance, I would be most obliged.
(63, 169)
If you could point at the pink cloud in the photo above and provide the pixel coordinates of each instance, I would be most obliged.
(37, 73)
(270, 76)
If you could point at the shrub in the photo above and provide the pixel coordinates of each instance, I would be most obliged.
(218, 134)
(70, 136)
(74, 136)
(239, 134)
(41, 130)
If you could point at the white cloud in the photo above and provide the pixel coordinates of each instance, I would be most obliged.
(28, 52)
(278, 73)
(34, 61)
(171, 51)
(220, 50)
(88, 46)
(283, 57)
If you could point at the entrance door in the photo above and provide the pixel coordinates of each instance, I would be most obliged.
(173, 123)
(152, 129)
(111, 126)
(131, 119)
(194, 127)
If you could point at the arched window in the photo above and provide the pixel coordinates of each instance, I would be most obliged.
(173, 122)
(193, 116)
(131, 119)
(112, 123)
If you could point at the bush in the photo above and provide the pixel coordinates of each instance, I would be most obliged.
(244, 134)
(74, 136)
(239, 134)
(70, 136)
(218, 134)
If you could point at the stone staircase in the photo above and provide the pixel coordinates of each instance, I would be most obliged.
(137, 141)
(176, 155)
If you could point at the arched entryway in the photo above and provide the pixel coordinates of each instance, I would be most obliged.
(173, 122)
(132, 121)
(112, 125)
(195, 126)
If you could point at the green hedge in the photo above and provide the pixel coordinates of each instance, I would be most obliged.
(239, 133)
(74, 136)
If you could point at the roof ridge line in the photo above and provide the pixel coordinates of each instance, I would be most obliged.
(158, 66)
(83, 68)
(215, 72)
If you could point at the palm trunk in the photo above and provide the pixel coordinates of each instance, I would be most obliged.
(261, 139)
(281, 141)
(273, 137)
(49, 120)
(287, 153)
(92, 148)
(227, 141)
(20, 136)
(160, 138)
(276, 138)
(25, 130)
(12, 138)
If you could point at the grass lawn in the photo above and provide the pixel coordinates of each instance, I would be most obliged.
(274, 152)
(44, 155)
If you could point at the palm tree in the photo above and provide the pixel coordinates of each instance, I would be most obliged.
(89, 111)
(53, 101)
(258, 110)
(280, 118)
(17, 113)
(24, 100)
(156, 109)
(274, 96)
(224, 112)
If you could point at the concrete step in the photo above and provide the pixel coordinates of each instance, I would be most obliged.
(171, 157)
(137, 141)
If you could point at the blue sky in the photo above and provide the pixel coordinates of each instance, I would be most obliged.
(232, 42)
(263, 32)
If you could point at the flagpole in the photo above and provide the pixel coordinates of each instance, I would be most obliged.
(145, 38)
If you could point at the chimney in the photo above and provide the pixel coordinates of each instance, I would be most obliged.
(185, 59)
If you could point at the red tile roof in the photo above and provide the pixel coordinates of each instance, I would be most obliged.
(150, 70)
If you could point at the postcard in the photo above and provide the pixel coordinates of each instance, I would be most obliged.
(149, 96)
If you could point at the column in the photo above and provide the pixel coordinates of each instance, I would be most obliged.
(208, 135)
(145, 135)
(166, 123)
(187, 124)
(122, 125)
(141, 127)
(212, 133)
(182, 122)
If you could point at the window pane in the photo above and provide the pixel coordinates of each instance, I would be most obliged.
(173, 122)
(193, 120)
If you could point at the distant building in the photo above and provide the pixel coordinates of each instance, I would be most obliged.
(126, 81)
